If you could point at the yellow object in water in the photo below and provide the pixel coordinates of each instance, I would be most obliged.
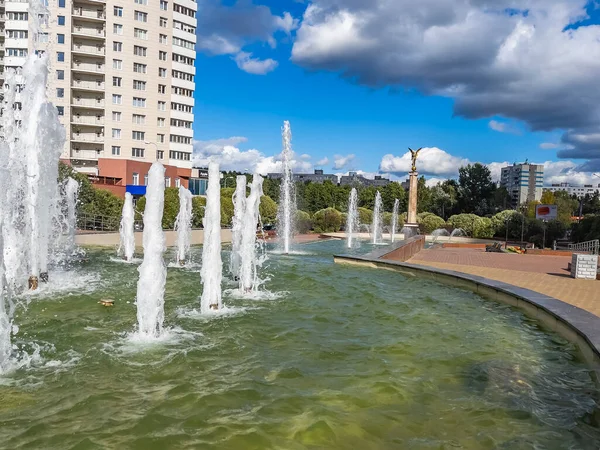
(106, 302)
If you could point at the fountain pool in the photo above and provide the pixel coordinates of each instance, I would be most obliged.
(347, 358)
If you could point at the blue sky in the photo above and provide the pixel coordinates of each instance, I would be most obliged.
(338, 106)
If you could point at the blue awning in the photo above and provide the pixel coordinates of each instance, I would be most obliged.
(135, 190)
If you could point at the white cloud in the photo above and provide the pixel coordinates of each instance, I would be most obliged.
(255, 66)
(230, 157)
(431, 161)
(548, 145)
(322, 162)
(503, 127)
(434, 181)
(342, 162)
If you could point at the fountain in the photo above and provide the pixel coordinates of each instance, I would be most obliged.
(5, 314)
(212, 267)
(439, 232)
(32, 144)
(377, 227)
(239, 212)
(153, 272)
(183, 225)
(127, 241)
(352, 220)
(394, 220)
(64, 224)
(287, 200)
(457, 232)
(71, 197)
(408, 232)
(248, 250)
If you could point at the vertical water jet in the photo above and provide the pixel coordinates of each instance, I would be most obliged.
(239, 212)
(211, 272)
(352, 220)
(395, 219)
(287, 200)
(249, 258)
(126, 231)
(183, 225)
(377, 226)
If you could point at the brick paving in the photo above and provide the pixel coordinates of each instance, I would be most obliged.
(544, 274)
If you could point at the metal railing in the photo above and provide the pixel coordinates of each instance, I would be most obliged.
(591, 247)
(103, 223)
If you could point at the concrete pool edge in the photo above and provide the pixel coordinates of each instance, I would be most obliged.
(572, 323)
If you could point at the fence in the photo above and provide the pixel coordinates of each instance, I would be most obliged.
(591, 247)
(103, 223)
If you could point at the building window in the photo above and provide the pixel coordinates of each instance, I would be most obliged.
(116, 150)
(60, 56)
(61, 110)
(146, 180)
(160, 154)
(162, 89)
(162, 55)
(160, 122)
(60, 92)
(140, 34)
(137, 135)
(164, 6)
(139, 51)
(139, 85)
(167, 182)
(141, 2)
(139, 102)
(117, 46)
(117, 81)
(140, 16)
(162, 72)
(182, 156)
(117, 64)
(176, 139)
(138, 119)
(61, 3)
(60, 38)
(118, 11)
(162, 106)
(116, 116)
(139, 68)
(136, 179)
(60, 20)
(137, 152)
(117, 28)
(116, 133)
(60, 74)
(162, 39)
(163, 22)
(160, 138)
(117, 99)
(177, 182)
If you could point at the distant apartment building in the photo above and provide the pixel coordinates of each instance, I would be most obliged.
(579, 191)
(122, 78)
(317, 177)
(354, 179)
(524, 182)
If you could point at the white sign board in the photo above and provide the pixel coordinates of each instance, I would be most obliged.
(546, 212)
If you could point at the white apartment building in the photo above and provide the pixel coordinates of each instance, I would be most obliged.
(579, 191)
(123, 79)
(523, 182)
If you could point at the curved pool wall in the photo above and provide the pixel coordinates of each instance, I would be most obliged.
(572, 323)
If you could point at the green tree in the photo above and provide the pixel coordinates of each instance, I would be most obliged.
(390, 193)
(424, 203)
(365, 216)
(198, 205)
(271, 188)
(267, 210)
(476, 189)
(366, 197)
(327, 220)
(227, 208)
(171, 207)
(443, 198)
(303, 222)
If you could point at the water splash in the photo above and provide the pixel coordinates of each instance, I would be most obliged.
(408, 232)
(64, 222)
(239, 211)
(183, 225)
(395, 220)
(250, 259)
(457, 232)
(287, 198)
(126, 232)
(212, 266)
(439, 232)
(6, 308)
(377, 228)
(153, 272)
(352, 220)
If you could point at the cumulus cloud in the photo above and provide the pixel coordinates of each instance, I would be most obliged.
(230, 157)
(322, 162)
(255, 66)
(431, 161)
(534, 60)
(548, 145)
(342, 162)
(227, 29)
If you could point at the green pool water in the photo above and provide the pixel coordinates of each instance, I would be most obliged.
(340, 358)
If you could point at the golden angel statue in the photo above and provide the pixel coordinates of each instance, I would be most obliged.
(414, 154)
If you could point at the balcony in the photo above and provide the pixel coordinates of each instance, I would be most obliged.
(88, 85)
(88, 13)
(87, 138)
(79, 30)
(87, 102)
(86, 152)
(88, 50)
(78, 66)
(80, 119)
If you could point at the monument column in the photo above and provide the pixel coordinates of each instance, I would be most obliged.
(411, 222)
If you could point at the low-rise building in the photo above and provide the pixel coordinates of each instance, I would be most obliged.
(579, 191)
(353, 179)
(317, 177)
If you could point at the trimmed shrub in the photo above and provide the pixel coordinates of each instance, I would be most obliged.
(499, 221)
(365, 216)
(198, 205)
(473, 225)
(327, 220)
(429, 222)
(303, 222)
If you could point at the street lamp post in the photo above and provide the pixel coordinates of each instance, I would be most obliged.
(155, 146)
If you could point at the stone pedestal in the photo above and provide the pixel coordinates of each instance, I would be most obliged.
(411, 221)
(584, 266)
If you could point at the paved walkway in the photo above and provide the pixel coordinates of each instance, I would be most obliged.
(545, 274)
